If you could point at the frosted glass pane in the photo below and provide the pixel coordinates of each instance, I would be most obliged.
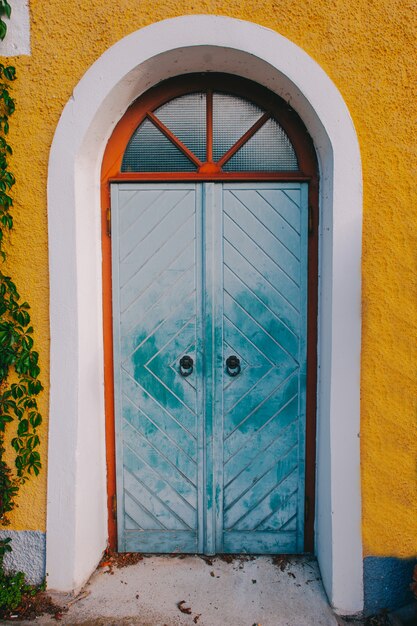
(186, 118)
(268, 150)
(232, 117)
(150, 151)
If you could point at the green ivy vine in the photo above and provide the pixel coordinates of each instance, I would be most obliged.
(19, 369)
(5, 11)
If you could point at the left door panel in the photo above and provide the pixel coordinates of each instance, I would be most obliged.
(157, 319)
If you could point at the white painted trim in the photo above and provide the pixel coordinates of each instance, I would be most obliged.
(76, 527)
(17, 40)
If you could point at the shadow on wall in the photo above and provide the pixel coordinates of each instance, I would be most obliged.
(387, 583)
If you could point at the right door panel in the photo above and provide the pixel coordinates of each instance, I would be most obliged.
(264, 272)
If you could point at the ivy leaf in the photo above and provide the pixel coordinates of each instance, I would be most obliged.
(35, 387)
(35, 467)
(30, 403)
(4, 419)
(3, 29)
(34, 370)
(10, 72)
(5, 8)
(17, 391)
(15, 444)
(23, 427)
(35, 419)
(19, 412)
(27, 342)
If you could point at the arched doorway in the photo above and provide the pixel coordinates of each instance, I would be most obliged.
(77, 529)
(212, 184)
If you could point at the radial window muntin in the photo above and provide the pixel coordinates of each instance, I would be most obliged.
(209, 132)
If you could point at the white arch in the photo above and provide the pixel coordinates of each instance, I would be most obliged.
(76, 522)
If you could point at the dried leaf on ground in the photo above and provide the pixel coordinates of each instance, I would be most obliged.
(206, 559)
(119, 559)
(281, 561)
(184, 609)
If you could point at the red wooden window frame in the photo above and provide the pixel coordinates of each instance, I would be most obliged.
(291, 123)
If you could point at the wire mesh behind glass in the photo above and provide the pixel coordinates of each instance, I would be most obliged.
(149, 150)
(269, 149)
(232, 117)
(186, 119)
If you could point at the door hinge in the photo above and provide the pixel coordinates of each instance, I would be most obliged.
(108, 220)
(114, 506)
(310, 220)
(306, 509)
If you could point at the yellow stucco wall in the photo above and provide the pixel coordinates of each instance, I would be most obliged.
(366, 47)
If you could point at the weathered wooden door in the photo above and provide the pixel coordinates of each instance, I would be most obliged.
(209, 309)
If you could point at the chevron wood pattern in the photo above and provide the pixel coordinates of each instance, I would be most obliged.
(210, 462)
(264, 323)
(155, 313)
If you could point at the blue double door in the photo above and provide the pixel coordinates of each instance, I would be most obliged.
(209, 309)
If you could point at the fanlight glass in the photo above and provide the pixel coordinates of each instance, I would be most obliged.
(232, 117)
(150, 151)
(269, 149)
(186, 119)
(174, 137)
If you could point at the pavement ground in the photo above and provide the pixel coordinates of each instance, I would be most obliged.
(218, 591)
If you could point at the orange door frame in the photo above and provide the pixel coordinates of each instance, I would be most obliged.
(308, 171)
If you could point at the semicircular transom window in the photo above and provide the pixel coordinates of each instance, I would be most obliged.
(209, 132)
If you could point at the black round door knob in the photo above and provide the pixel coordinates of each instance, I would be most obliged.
(186, 365)
(233, 365)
